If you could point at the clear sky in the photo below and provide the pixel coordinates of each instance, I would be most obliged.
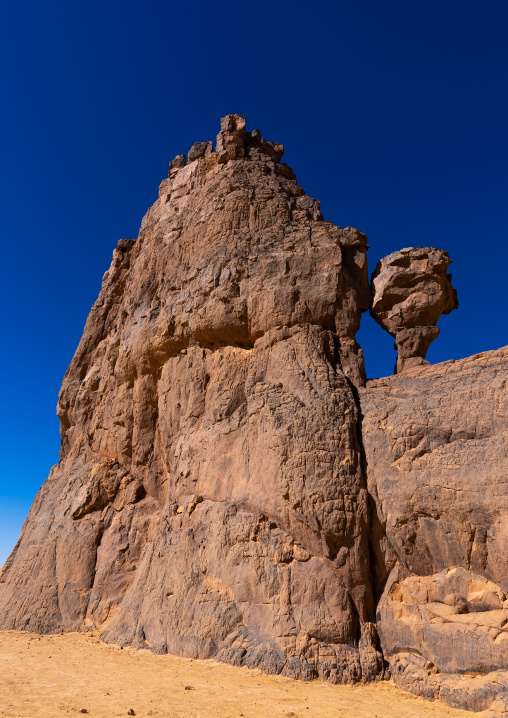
(393, 114)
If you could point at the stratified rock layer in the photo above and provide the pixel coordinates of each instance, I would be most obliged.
(210, 500)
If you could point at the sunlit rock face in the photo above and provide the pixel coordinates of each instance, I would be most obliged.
(410, 291)
(210, 498)
(436, 451)
(229, 484)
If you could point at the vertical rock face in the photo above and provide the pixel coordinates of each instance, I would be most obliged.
(411, 290)
(229, 484)
(210, 499)
(436, 448)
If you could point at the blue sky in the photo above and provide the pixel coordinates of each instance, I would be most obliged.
(393, 114)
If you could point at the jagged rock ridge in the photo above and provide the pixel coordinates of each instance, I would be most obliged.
(229, 486)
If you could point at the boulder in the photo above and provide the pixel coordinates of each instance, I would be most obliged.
(200, 149)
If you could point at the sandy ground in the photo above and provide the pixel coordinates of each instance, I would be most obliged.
(60, 675)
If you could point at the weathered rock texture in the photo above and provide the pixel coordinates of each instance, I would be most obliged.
(436, 449)
(229, 487)
(411, 290)
(210, 499)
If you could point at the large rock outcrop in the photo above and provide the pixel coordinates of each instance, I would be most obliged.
(229, 484)
(210, 499)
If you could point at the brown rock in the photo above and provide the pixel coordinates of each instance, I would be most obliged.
(200, 149)
(231, 138)
(410, 292)
(177, 163)
(227, 485)
(474, 692)
(422, 615)
(210, 499)
(436, 447)
(437, 464)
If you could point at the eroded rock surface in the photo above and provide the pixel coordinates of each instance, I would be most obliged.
(210, 499)
(436, 449)
(456, 618)
(411, 290)
(446, 637)
(229, 487)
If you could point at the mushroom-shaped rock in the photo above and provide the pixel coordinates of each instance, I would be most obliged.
(410, 291)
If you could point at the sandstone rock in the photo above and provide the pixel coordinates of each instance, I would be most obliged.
(485, 693)
(256, 145)
(210, 499)
(177, 163)
(231, 138)
(228, 486)
(436, 451)
(438, 464)
(425, 615)
(200, 149)
(410, 292)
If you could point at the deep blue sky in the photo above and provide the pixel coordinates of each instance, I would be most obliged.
(393, 114)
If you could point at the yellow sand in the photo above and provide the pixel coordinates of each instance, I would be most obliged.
(59, 675)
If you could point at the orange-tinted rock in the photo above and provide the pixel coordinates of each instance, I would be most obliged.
(411, 290)
(436, 451)
(210, 499)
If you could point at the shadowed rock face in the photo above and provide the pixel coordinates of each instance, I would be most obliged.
(411, 290)
(229, 484)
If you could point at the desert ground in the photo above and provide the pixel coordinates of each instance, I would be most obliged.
(72, 674)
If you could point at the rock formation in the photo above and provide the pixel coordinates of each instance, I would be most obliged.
(210, 499)
(229, 484)
(411, 290)
(436, 449)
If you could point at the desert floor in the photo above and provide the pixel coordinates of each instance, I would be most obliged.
(60, 675)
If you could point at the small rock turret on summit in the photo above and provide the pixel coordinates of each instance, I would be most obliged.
(411, 290)
(210, 498)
